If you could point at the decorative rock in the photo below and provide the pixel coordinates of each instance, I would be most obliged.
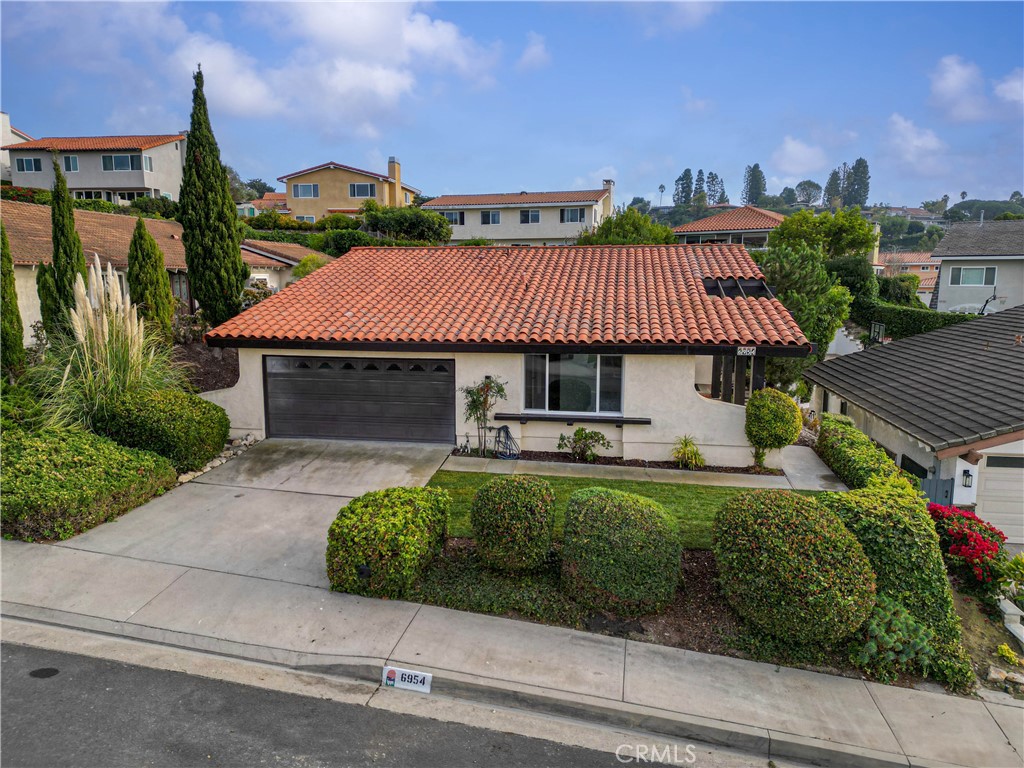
(996, 675)
(1015, 677)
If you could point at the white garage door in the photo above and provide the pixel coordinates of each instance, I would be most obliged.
(1001, 495)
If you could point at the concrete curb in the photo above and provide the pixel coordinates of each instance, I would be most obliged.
(756, 741)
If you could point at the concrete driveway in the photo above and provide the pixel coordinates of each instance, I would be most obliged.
(266, 512)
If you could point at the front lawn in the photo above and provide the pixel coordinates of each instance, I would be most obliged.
(694, 506)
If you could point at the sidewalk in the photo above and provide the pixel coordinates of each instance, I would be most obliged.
(765, 710)
(804, 471)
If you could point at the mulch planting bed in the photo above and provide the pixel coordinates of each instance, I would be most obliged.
(205, 370)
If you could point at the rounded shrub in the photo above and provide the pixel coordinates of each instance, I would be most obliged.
(772, 421)
(381, 542)
(620, 553)
(512, 519)
(791, 568)
(183, 427)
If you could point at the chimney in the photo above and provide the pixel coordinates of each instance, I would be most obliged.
(982, 222)
(395, 172)
(874, 254)
(608, 206)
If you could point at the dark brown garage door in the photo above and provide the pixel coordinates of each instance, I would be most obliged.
(352, 398)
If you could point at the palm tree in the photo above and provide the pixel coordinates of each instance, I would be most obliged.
(963, 195)
(661, 193)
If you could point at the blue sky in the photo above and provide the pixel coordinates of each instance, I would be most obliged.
(495, 97)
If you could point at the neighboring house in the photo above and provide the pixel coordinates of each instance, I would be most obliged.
(918, 263)
(9, 136)
(644, 343)
(525, 218)
(948, 406)
(117, 169)
(748, 226)
(108, 235)
(329, 188)
(271, 201)
(922, 215)
(982, 267)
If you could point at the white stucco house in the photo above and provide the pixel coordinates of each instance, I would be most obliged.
(108, 236)
(982, 267)
(9, 135)
(644, 343)
(525, 218)
(948, 406)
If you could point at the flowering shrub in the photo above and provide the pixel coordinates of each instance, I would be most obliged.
(969, 541)
(25, 194)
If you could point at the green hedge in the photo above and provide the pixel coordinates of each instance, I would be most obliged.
(790, 567)
(891, 521)
(901, 322)
(513, 518)
(381, 542)
(19, 408)
(772, 421)
(183, 427)
(59, 482)
(620, 552)
(851, 454)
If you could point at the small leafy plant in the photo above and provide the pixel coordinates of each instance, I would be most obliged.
(1006, 653)
(892, 642)
(582, 444)
(480, 399)
(687, 453)
(773, 421)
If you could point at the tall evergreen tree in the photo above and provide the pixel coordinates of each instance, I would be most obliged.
(677, 191)
(755, 186)
(858, 184)
(711, 187)
(698, 185)
(208, 219)
(832, 196)
(55, 282)
(148, 283)
(685, 188)
(12, 339)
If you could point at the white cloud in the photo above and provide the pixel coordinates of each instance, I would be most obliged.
(917, 149)
(691, 103)
(796, 158)
(535, 55)
(674, 17)
(1011, 87)
(233, 82)
(958, 88)
(595, 178)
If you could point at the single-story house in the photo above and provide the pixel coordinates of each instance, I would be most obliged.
(982, 267)
(748, 226)
(948, 406)
(109, 235)
(271, 201)
(644, 343)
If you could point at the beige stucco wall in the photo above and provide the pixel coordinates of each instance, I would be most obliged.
(28, 299)
(548, 231)
(334, 192)
(276, 278)
(659, 387)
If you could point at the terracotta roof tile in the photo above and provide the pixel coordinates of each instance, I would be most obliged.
(907, 257)
(517, 198)
(291, 252)
(97, 143)
(106, 234)
(735, 220)
(506, 295)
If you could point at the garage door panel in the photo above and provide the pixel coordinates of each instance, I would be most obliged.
(361, 398)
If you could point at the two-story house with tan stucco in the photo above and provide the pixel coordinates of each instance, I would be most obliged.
(116, 169)
(329, 188)
(525, 218)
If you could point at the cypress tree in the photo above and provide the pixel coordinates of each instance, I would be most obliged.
(12, 332)
(833, 190)
(758, 185)
(55, 282)
(148, 283)
(858, 184)
(698, 185)
(208, 219)
(686, 188)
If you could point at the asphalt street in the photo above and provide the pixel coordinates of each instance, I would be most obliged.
(60, 709)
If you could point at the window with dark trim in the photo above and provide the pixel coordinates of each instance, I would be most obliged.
(70, 163)
(362, 190)
(972, 276)
(29, 165)
(1005, 462)
(572, 215)
(490, 217)
(573, 383)
(455, 218)
(529, 216)
(121, 162)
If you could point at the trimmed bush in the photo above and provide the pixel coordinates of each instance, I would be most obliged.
(59, 482)
(891, 522)
(791, 568)
(182, 427)
(381, 542)
(772, 421)
(620, 553)
(513, 518)
(851, 454)
(901, 322)
(892, 642)
(19, 409)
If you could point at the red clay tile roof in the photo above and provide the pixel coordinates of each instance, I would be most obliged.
(621, 295)
(107, 234)
(97, 143)
(927, 283)
(909, 257)
(517, 198)
(736, 220)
